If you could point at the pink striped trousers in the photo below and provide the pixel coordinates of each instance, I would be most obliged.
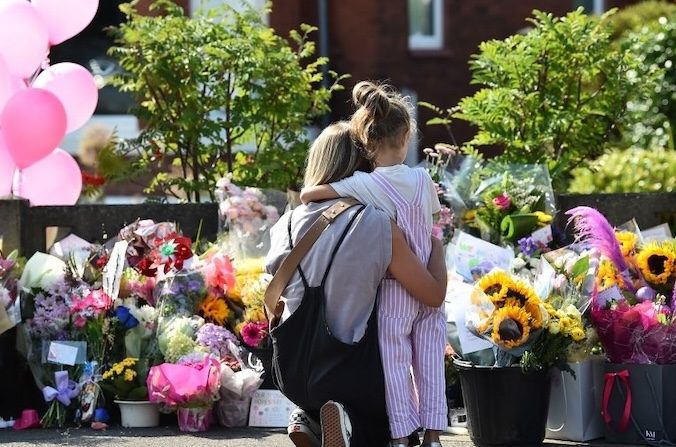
(412, 336)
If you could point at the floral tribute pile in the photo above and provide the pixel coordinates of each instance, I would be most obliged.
(146, 316)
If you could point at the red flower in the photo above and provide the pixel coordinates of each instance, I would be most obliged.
(93, 179)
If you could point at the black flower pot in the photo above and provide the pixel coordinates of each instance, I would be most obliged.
(504, 406)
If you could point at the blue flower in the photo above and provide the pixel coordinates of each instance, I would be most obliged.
(126, 318)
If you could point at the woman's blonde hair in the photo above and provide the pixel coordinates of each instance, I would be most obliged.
(334, 156)
(382, 118)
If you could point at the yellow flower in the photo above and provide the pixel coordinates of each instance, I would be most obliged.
(129, 375)
(608, 276)
(495, 284)
(554, 327)
(532, 306)
(656, 262)
(215, 309)
(543, 218)
(469, 215)
(521, 291)
(577, 333)
(510, 327)
(627, 240)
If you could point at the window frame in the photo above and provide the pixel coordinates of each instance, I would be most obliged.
(435, 41)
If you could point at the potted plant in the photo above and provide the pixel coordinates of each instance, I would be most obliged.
(126, 381)
(217, 92)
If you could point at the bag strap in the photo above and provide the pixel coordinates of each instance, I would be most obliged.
(607, 391)
(273, 306)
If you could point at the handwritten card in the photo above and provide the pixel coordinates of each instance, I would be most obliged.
(63, 354)
(457, 306)
(474, 257)
(543, 235)
(269, 408)
(66, 352)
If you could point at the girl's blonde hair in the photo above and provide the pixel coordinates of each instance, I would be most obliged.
(334, 156)
(382, 118)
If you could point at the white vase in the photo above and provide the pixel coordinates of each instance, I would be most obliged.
(138, 413)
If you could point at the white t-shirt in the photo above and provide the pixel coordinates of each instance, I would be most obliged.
(364, 188)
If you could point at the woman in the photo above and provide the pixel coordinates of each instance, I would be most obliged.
(338, 280)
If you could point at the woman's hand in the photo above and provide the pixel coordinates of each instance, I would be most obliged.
(427, 285)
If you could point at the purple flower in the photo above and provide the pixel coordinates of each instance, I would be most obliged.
(215, 338)
(527, 246)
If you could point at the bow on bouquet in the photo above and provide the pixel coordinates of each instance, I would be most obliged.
(61, 397)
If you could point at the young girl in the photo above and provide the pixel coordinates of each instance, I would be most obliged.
(410, 334)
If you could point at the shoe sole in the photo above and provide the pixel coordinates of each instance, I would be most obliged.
(301, 439)
(332, 427)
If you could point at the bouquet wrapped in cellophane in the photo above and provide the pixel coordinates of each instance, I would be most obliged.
(634, 298)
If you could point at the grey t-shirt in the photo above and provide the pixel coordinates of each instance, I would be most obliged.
(360, 264)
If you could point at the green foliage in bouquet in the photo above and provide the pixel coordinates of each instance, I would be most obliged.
(643, 170)
(126, 380)
(555, 95)
(217, 92)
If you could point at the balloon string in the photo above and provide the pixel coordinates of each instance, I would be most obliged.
(16, 183)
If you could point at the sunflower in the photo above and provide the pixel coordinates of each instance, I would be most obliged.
(520, 291)
(215, 309)
(656, 262)
(533, 307)
(627, 240)
(510, 327)
(608, 276)
(495, 284)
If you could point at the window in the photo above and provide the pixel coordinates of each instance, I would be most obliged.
(425, 24)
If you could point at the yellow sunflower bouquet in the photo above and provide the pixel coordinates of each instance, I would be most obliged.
(523, 328)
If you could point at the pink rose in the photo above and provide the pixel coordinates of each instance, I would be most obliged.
(502, 202)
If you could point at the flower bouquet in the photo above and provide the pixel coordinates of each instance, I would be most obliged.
(10, 271)
(437, 161)
(509, 202)
(190, 387)
(633, 301)
(245, 216)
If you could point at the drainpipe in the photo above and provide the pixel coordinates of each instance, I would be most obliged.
(322, 8)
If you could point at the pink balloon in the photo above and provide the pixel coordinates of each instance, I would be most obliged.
(54, 180)
(65, 18)
(76, 89)
(8, 84)
(7, 168)
(34, 123)
(23, 37)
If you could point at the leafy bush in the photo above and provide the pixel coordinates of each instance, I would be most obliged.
(628, 170)
(634, 17)
(653, 117)
(212, 85)
(555, 95)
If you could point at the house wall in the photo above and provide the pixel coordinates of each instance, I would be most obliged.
(369, 40)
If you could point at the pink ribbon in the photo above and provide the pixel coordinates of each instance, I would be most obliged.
(608, 391)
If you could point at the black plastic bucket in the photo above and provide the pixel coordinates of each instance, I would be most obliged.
(504, 406)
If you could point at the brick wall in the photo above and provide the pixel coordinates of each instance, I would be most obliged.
(369, 40)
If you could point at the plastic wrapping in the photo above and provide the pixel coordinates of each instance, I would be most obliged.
(238, 383)
(194, 384)
(504, 203)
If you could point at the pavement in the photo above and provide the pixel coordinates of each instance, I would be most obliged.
(172, 437)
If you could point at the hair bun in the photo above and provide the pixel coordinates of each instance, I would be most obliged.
(371, 97)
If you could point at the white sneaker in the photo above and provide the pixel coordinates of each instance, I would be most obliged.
(302, 430)
(336, 426)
